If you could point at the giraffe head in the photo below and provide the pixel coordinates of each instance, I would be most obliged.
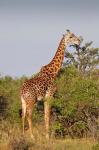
(71, 39)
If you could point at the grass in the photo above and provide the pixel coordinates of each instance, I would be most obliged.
(12, 139)
(67, 144)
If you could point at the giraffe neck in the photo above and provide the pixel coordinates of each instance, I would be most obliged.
(54, 66)
(59, 55)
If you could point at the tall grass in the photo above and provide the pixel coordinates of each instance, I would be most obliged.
(11, 138)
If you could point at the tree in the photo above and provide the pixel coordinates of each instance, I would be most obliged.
(84, 58)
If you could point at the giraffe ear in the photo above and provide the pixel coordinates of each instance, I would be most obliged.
(68, 31)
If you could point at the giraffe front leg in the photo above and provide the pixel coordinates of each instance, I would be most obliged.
(47, 117)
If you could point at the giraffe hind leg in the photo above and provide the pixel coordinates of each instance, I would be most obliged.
(23, 113)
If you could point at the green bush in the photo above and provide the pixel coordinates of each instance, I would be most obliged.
(76, 103)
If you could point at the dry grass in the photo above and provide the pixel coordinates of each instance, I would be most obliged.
(67, 144)
(12, 139)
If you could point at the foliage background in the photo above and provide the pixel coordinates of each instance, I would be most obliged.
(75, 106)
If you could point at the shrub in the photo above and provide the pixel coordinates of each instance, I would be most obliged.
(76, 104)
(19, 143)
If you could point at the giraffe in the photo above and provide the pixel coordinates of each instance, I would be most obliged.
(42, 86)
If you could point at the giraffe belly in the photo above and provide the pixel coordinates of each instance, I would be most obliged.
(48, 94)
(39, 98)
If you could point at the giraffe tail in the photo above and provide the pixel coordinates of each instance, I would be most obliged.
(20, 112)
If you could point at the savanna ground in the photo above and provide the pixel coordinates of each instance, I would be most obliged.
(12, 139)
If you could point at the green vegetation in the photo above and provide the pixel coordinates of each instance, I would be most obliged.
(74, 109)
(77, 104)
